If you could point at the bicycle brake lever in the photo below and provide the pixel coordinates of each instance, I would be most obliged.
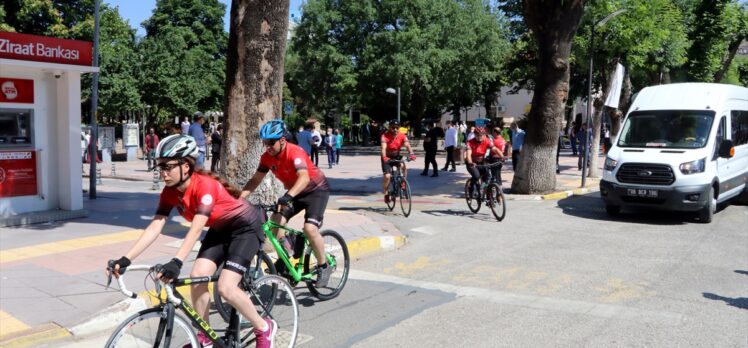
(108, 280)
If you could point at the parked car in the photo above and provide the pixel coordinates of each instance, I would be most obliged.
(682, 147)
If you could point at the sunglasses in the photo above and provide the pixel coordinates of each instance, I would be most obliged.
(167, 167)
(270, 142)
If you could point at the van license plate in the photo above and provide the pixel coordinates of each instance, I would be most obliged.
(642, 193)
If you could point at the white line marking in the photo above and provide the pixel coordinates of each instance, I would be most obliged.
(537, 302)
(424, 229)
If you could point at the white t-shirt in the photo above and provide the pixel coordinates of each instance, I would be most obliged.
(318, 139)
(185, 127)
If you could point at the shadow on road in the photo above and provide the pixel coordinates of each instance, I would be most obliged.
(739, 302)
(453, 212)
(591, 207)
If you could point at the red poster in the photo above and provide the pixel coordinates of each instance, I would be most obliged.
(17, 173)
(45, 49)
(16, 90)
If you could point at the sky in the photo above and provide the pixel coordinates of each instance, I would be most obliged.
(137, 11)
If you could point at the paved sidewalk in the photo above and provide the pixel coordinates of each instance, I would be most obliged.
(359, 173)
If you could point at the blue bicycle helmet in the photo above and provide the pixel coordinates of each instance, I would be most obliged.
(274, 129)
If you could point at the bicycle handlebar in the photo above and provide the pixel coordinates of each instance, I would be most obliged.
(123, 287)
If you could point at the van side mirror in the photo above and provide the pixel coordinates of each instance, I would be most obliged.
(726, 149)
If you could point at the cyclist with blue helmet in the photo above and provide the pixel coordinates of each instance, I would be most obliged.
(306, 186)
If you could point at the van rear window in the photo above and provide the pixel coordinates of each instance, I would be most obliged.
(682, 129)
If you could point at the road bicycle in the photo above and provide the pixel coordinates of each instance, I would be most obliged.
(303, 266)
(489, 191)
(162, 326)
(398, 187)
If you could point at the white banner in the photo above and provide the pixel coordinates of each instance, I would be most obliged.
(614, 95)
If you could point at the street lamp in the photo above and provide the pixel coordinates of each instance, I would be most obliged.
(599, 23)
(393, 91)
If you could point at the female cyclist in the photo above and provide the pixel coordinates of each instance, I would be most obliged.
(235, 232)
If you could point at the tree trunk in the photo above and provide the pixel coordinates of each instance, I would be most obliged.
(554, 25)
(597, 120)
(731, 51)
(254, 88)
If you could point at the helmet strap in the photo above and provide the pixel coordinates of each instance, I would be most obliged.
(182, 179)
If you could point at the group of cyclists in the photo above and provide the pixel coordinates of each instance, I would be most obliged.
(235, 226)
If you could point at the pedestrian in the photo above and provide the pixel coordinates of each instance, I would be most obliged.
(305, 139)
(606, 139)
(471, 134)
(330, 140)
(558, 149)
(429, 146)
(215, 148)
(518, 140)
(450, 141)
(185, 126)
(196, 131)
(84, 146)
(338, 146)
(583, 142)
(572, 133)
(316, 142)
(151, 142)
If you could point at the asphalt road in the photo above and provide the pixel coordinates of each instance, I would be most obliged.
(553, 273)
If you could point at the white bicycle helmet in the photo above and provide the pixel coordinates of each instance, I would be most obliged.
(177, 146)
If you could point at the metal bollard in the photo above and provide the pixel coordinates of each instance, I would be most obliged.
(156, 179)
(114, 169)
(98, 176)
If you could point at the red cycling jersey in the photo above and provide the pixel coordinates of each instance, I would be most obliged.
(394, 143)
(500, 143)
(286, 165)
(204, 196)
(478, 149)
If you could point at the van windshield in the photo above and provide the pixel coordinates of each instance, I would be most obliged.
(669, 129)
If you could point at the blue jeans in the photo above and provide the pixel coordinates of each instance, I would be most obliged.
(330, 156)
(200, 162)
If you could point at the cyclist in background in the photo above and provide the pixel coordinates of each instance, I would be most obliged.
(477, 149)
(500, 143)
(307, 187)
(392, 140)
(235, 233)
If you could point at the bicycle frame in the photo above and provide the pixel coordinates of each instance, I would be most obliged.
(294, 270)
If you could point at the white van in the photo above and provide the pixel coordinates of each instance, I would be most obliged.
(681, 147)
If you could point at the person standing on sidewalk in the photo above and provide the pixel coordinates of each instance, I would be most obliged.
(307, 187)
(185, 126)
(196, 131)
(215, 148)
(429, 146)
(305, 139)
(583, 142)
(518, 140)
(338, 145)
(151, 142)
(450, 141)
(235, 233)
(330, 146)
(573, 137)
(316, 142)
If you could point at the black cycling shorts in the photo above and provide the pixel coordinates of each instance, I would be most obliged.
(313, 203)
(236, 247)
(386, 167)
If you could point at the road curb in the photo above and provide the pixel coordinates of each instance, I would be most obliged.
(566, 194)
(367, 246)
(36, 336)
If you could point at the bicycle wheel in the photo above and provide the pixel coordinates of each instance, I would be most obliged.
(495, 200)
(273, 293)
(473, 202)
(253, 272)
(405, 197)
(392, 193)
(337, 251)
(146, 329)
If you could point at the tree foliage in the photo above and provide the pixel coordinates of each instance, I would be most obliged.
(439, 53)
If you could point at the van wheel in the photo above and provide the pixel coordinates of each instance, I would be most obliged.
(613, 210)
(707, 212)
